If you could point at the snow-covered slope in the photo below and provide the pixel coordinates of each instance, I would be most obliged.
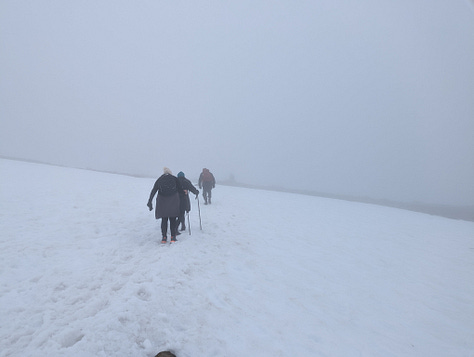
(271, 274)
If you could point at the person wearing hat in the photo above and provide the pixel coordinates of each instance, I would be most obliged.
(168, 188)
(185, 203)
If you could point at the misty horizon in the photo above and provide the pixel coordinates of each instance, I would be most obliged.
(459, 212)
(362, 99)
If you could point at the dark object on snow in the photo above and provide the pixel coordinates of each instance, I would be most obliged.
(165, 354)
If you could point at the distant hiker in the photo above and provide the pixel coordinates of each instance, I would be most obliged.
(207, 182)
(167, 202)
(185, 203)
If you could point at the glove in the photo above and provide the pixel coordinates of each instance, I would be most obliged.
(150, 206)
(197, 194)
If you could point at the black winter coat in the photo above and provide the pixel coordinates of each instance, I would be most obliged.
(184, 195)
(167, 200)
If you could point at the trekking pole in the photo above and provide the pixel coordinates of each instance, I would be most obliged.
(189, 224)
(199, 210)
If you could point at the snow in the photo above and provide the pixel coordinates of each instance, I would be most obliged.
(270, 273)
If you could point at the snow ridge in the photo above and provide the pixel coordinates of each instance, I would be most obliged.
(271, 274)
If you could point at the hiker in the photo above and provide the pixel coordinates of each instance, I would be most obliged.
(185, 203)
(167, 202)
(207, 182)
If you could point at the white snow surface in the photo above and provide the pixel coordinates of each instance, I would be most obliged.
(83, 273)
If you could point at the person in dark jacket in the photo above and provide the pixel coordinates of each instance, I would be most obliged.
(168, 188)
(185, 203)
(207, 182)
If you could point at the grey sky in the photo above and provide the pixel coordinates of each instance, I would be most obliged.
(372, 98)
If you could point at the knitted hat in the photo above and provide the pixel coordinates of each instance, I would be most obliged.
(167, 171)
(181, 174)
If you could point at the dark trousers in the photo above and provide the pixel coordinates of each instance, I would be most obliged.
(181, 220)
(164, 226)
(206, 194)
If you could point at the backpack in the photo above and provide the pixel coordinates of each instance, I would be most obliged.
(168, 186)
(206, 176)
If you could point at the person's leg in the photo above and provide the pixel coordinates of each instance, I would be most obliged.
(180, 220)
(187, 207)
(164, 227)
(209, 194)
(182, 210)
(173, 228)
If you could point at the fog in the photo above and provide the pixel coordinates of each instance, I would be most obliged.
(366, 98)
